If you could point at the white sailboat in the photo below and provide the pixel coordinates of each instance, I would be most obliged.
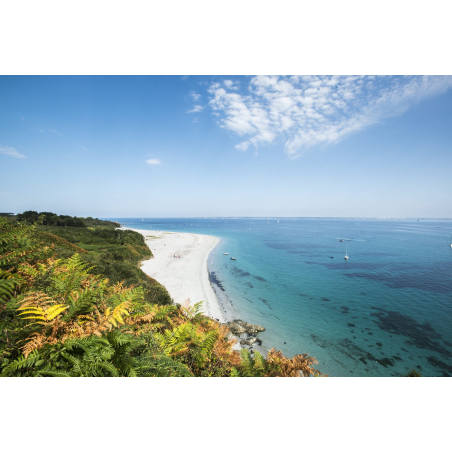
(346, 256)
(225, 254)
(451, 241)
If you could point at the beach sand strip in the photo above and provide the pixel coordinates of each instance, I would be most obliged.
(187, 276)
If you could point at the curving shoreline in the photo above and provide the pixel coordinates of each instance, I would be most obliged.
(186, 277)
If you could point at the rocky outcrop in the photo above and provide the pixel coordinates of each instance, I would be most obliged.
(235, 328)
(239, 326)
(245, 332)
(250, 341)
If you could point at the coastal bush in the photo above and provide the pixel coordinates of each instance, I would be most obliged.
(113, 253)
(48, 218)
(413, 373)
(274, 365)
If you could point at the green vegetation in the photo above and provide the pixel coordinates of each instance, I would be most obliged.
(114, 253)
(49, 218)
(413, 373)
(57, 318)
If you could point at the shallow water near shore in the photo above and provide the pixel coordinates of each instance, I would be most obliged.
(385, 311)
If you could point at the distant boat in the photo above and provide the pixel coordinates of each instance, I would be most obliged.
(233, 259)
(142, 219)
(346, 256)
(225, 254)
(341, 240)
(278, 221)
(451, 241)
(268, 222)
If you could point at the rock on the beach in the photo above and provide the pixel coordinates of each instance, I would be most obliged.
(249, 327)
(246, 332)
(250, 341)
(235, 328)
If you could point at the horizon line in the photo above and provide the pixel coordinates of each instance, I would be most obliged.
(290, 217)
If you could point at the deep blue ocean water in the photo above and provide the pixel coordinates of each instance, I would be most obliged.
(385, 311)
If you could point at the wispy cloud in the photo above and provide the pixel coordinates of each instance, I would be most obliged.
(195, 120)
(195, 96)
(6, 150)
(184, 77)
(83, 147)
(196, 109)
(40, 130)
(54, 131)
(23, 119)
(306, 111)
(153, 162)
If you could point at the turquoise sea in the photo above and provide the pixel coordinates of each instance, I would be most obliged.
(385, 311)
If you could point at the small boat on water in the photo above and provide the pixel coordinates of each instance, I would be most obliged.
(346, 256)
(341, 240)
(233, 259)
(225, 254)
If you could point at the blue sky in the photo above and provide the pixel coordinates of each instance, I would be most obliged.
(226, 146)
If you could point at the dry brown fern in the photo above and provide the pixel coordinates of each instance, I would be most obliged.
(298, 366)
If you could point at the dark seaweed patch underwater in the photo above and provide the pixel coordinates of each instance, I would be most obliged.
(420, 335)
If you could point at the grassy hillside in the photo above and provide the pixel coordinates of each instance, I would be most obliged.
(116, 254)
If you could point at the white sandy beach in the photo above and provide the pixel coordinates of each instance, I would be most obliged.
(187, 276)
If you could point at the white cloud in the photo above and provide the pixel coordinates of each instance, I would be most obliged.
(54, 131)
(195, 96)
(40, 130)
(153, 162)
(313, 110)
(242, 146)
(195, 120)
(6, 150)
(196, 109)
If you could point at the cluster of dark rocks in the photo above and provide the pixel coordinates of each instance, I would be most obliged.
(244, 331)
